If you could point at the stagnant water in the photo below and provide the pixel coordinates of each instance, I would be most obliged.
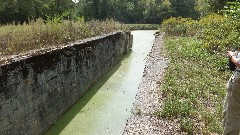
(104, 109)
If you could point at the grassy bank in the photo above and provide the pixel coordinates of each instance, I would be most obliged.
(194, 86)
(15, 39)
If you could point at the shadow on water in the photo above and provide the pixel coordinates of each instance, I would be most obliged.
(67, 117)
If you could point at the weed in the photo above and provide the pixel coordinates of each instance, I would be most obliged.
(194, 86)
(15, 39)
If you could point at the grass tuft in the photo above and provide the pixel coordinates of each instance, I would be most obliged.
(194, 86)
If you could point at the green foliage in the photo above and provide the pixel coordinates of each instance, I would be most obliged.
(217, 5)
(222, 35)
(15, 39)
(179, 26)
(187, 125)
(140, 26)
(126, 11)
(195, 80)
(232, 9)
(23, 10)
(156, 12)
(202, 7)
(193, 86)
(184, 8)
(217, 32)
(211, 20)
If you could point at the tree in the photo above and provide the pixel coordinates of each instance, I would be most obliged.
(8, 12)
(184, 8)
(202, 7)
(165, 10)
(217, 5)
(127, 11)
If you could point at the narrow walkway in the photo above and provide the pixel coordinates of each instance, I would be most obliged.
(106, 107)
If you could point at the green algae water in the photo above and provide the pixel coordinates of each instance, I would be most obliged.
(104, 109)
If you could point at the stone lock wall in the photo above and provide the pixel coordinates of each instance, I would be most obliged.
(38, 88)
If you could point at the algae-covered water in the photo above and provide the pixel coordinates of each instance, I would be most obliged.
(104, 109)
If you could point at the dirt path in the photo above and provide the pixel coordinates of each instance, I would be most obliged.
(149, 98)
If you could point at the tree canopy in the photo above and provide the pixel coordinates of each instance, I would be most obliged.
(127, 11)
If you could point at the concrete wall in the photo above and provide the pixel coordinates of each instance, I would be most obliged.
(37, 88)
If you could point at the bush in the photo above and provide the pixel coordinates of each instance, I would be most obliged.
(179, 26)
(210, 20)
(219, 33)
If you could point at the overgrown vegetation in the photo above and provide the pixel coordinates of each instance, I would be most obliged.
(194, 86)
(178, 26)
(53, 29)
(222, 34)
(216, 32)
(194, 83)
(15, 39)
(141, 26)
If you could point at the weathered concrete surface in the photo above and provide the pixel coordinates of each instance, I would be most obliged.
(103, 110)
(36, 88)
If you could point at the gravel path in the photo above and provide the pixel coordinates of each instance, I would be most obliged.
(149, 98)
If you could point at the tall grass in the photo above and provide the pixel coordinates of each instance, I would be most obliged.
(194, 86)
(140, 26)
(15, 39)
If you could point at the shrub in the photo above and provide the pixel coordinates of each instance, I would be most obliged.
(210, 20)
(219, 33)
(179, 26)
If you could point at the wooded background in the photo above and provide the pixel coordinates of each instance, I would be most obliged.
(126, 11)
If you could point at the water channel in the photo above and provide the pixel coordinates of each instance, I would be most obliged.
(104, 109)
